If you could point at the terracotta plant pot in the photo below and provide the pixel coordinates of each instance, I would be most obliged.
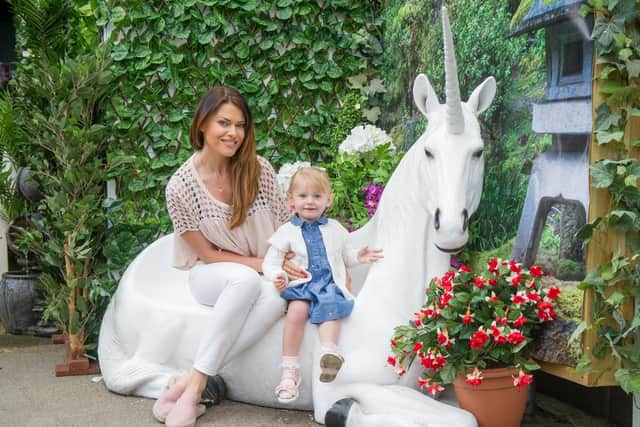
(495, 402)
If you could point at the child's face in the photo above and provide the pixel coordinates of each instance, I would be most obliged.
(309, 201)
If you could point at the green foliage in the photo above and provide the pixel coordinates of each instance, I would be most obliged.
(614, 284)
(294, 61)
(11, 204)
(511, 146)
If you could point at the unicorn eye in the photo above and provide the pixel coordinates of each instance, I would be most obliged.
(478, 153)
(428, 153)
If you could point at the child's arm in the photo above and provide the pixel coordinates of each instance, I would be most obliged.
(368, 255)
(272, 268)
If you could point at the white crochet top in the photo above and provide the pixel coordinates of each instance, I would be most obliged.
(192, 207)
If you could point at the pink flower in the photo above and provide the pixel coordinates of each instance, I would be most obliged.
(515, 337)
(474, 378)
(535, 271)
(478, 339)
(522, 380)
(552, 293)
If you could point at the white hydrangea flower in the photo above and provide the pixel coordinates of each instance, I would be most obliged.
(286, 172)
(364, 138)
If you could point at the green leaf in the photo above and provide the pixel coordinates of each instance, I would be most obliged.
(284, 14)
(81, 304)
(448, 374)
(603, 174)
(605, 137)
(605, 119)
(584, 365)
(117, 14)
(615, 299)
(633, 68)
(622, 220)
(629, 382)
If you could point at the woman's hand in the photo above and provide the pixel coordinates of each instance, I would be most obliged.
(280, 283)
(294, 272)
(368, 255)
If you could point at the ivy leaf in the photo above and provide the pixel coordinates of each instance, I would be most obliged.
(629, 382)
(622, 220)
(606, 119)
(604, 30)
(577, 332)
(633, 68)
(118, 14)
(602, 174)
(604, 137)
(584, 365)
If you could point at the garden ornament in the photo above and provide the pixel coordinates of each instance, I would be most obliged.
(152, 325)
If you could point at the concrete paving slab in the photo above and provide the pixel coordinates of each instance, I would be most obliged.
(31, 396)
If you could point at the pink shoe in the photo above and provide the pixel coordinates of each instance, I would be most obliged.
(184, 413)
(167, 399)
(287, 390)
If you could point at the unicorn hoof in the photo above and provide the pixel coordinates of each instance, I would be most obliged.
(338, 413)
(214, 392)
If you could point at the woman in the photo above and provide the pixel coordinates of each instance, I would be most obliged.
(224, 204)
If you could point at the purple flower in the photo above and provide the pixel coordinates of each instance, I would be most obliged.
(372, 193)
(456, 263)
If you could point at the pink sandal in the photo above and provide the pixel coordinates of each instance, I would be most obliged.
(287, 391)
(167, 400)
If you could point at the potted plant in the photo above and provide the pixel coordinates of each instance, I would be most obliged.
(475, 330)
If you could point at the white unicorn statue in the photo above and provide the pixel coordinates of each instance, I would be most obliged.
(152, 326)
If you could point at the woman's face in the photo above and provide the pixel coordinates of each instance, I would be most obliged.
(224, 130)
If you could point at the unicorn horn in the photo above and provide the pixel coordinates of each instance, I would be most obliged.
(455, 120)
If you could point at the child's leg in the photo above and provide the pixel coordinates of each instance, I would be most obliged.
(297, 315)
(330, 359)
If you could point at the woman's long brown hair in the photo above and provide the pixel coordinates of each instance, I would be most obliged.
(245, 168)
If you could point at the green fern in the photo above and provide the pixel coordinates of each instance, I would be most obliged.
(11, 204)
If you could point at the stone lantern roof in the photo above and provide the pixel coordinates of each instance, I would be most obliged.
(541, 15)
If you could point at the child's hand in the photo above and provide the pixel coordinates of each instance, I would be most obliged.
(280, 283)
(367, 255)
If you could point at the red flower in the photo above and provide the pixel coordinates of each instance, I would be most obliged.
(492, 298)
(479, 282)
(474, 378)
(535, 271)
(467, 318)
(515, 337)
(513, 266)
(502, 321)
(479, 338)
(464, 269)
(393, 343)
(400, 371)
(434, 388)
(519, 298)
(493, 282)
(546, 312)
(443, 339)
(520, 321)
(444, 299)
(534, 296)
(493, 265)
(391, 360)
(516, 279)
(553, 293)
(522, 380)
(417, 347)
(430, 312)
(423, 382)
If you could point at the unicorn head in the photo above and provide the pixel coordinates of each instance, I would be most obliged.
(452, 161)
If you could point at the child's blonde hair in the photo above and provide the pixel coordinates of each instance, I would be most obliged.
(317, 178)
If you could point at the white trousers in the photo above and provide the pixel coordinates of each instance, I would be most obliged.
(243, 307)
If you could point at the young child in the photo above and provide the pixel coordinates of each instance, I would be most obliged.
(319, 245)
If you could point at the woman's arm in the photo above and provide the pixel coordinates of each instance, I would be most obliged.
(208, 253)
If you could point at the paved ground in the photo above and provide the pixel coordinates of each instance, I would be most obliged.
(30, 395)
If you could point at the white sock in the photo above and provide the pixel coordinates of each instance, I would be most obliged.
(290, 362)
(328, 347)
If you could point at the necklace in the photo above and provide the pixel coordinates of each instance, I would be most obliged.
(219, 181)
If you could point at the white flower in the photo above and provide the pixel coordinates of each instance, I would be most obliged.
(286, 172)
(26, 53)
(364, 138)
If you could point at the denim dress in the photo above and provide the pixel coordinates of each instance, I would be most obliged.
(326, 300)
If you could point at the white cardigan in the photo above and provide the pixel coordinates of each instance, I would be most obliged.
(289, 238)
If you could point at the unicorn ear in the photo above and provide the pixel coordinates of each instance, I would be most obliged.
(424, 96)
(482, 96)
